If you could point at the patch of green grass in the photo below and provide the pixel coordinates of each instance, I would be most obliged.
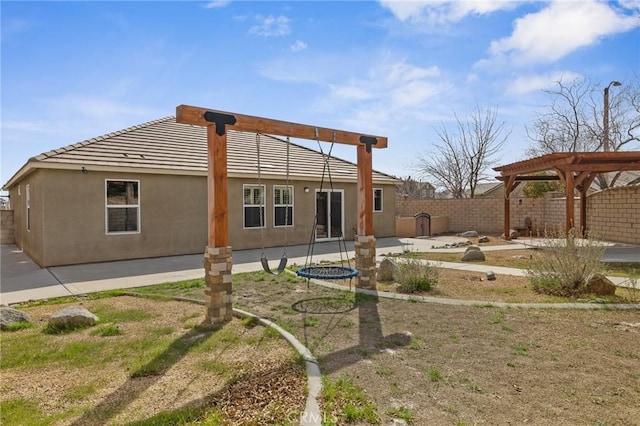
(215, 366)
(384, 371)
(454, 337)
(498, 317)
(626, 354)
(311, 321)
(23, 412)
(473, 387)
(434, 374)
(162, 331)
(522, 349)
(185, 416)
(107, 330)
(108, 314)
(81, 391)
(17, 326)
(402, 413)
(250, 322)
(348, 401)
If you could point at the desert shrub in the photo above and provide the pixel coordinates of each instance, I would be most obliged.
(565, 265)
(414, 275)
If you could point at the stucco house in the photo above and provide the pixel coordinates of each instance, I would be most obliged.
(142, 192)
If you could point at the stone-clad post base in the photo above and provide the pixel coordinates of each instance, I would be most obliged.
(217, 292)
(365, 248)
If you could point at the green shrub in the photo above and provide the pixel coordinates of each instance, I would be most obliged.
(413, 276)
(566, 265)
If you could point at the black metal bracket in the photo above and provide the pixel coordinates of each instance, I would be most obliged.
(220, 120)
(368, 141)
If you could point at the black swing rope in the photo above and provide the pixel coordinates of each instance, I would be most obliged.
(326, 271)
(263, 258)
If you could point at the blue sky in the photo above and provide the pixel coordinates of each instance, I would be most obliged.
(76, 70)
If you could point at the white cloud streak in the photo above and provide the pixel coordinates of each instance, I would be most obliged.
(271, 26)
(216, 4)
(434, 12)
(298, 46)
(531, 83)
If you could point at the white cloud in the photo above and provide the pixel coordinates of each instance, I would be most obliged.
(271, 26)
(435, 12)
(559, 29)
(216, 4)
(298, 46)
(525, 84)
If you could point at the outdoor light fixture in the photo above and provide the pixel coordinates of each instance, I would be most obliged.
(84, 171)
(605, 116)
(306, 189)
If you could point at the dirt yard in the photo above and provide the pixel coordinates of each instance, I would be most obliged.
(439, 364)
(451, 365)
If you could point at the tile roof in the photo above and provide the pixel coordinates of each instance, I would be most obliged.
(182, 148)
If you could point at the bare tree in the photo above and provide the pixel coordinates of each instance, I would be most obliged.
(574, 121)
(462, 157)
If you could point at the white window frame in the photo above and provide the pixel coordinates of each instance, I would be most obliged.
(381, 199)
(27, 204)
(281, 205)
(262, 206)
(107, 207)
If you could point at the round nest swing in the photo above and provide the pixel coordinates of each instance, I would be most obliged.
(327, 272)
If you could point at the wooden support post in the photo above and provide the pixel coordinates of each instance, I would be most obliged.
(570, 214)
(365, 192)
(365, 245)
(217, 188)
(508, 187)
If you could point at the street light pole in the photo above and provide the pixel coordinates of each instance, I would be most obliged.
(605, 119)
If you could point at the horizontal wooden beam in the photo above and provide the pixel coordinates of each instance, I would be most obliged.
(196, 115)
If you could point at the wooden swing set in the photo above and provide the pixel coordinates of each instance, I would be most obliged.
(218, 272)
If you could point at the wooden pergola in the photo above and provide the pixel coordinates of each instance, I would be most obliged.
(576, 170)
(218, 254)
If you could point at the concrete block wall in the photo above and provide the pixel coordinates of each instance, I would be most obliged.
(614, 214)
(7, 227)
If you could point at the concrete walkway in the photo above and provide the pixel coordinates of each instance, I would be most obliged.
(22, 280)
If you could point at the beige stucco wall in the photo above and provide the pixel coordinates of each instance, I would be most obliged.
(68, 216)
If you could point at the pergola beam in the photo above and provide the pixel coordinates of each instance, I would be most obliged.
(198, 116)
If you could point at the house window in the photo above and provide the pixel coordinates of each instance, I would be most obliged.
(122, 206)
(377, 199)
(253, 206)
(28, 205)
(282, 205)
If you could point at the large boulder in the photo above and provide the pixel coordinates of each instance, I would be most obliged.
(386, 270)
(473, 254)
(72, 317)
(601, 286)
(10, 316)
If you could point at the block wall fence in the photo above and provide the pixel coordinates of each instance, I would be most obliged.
(612, 214)
(6, 227)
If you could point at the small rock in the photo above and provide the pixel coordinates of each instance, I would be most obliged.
(513, 234)
(72, 317)
(472, 255)
(386, 270)
(601, 286)
(483, 239)
(491, 276)
(468, 234)
(9, 316)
